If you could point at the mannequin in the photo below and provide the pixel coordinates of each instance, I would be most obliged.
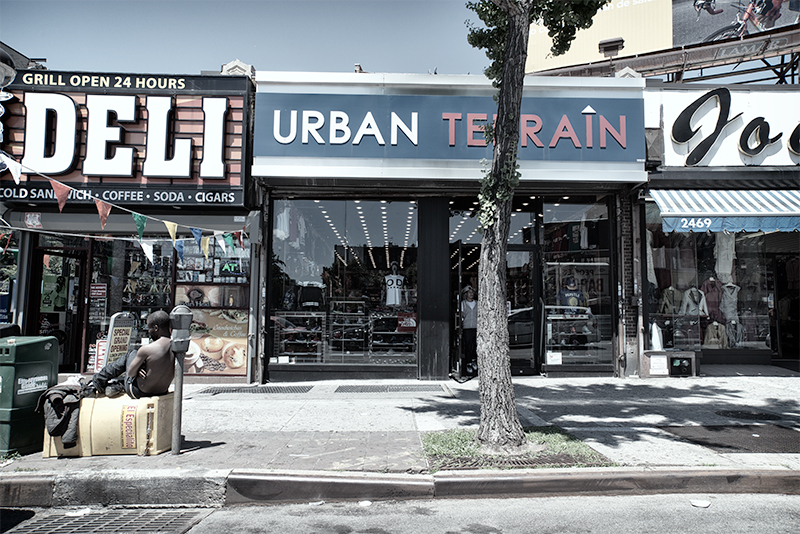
(469, 327)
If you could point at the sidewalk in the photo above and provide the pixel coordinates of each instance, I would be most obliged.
(332, 440)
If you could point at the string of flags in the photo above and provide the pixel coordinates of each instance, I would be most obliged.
(62, 191)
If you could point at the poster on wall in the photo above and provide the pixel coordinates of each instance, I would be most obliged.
(97, 302)
(218, 342)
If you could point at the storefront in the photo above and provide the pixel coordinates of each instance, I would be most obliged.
(722, 219)
(132, 198)
(370, 187)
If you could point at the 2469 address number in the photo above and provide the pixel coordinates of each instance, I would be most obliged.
(696, 223)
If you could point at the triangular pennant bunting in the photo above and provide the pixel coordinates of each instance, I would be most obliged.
(62, 193)
(147, 248)
(179, 248)
(240, 239)
(7, 162)
(204, 245)
(229, 240)
(103, 209)
(197, 233)
(171, 228)
(221, 241)
(141, 221)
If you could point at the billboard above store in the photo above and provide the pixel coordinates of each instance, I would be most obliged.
(129, 139)
(653, 25)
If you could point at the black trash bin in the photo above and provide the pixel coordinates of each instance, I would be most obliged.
(28, 367)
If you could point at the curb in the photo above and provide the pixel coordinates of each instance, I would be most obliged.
(501, 483)
(270, 486)
(217, 488)
(203, 488)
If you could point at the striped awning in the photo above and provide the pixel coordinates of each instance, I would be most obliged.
(717, 210)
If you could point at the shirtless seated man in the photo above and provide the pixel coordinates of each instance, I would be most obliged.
(145, 372)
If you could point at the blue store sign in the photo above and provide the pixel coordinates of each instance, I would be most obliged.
(433, 127)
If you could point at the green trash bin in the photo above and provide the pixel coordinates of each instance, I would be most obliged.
(28, 367)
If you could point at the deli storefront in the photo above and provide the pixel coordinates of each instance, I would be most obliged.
(370, 185)
(132, 198)
(722, 220)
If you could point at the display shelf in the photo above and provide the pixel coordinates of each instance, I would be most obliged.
(347, 326)
(384, 338)
(299, 337)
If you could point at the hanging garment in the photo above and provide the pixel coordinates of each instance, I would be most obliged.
(793, 273)
(671, 300)
(282, 225)
(394, 289)
(656, 338)
(651, 272)
(735, 332)
(716, 336)
(729, 302)
(724, 252)
(694, 303)
(712, 289)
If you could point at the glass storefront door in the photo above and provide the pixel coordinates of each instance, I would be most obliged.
(576, 265)
(558, 279)
(57, 303)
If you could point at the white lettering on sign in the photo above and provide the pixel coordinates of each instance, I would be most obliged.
(100, 134)
(43, 109)
(213, 164)
(106, 154)
(32, 384)
(695, 223)
(156, 163)
(312, 123)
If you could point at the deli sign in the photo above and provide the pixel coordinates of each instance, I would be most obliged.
(131, 139)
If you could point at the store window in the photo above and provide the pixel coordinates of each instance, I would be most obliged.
(212, 279)
(344, 282)
(731, 295)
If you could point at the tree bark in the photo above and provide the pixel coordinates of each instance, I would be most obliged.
(500, 428)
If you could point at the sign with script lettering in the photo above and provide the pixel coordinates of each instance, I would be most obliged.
(731, 127)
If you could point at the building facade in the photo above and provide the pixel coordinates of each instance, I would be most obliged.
(720, 221)
(369, 184)
(132, 198)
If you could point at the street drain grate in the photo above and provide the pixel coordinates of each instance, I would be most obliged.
(741, 438)
(421, 388)
(216, 390)
(749, 415)
(137, 521)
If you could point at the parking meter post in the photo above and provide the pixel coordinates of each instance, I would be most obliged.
(180, 318)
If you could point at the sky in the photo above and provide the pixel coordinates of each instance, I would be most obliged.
(189, 36)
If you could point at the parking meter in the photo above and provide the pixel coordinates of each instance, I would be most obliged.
(180, 319)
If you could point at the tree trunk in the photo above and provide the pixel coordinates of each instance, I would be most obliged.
(500, 428)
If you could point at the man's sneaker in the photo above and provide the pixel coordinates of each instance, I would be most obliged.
(115, 389)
